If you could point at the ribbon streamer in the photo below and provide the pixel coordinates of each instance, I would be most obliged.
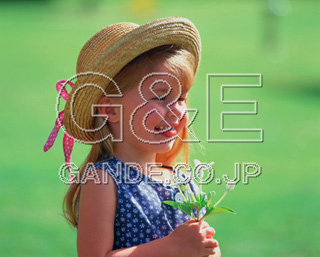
(67, 140)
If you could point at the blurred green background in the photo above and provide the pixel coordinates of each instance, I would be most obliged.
(277, 213)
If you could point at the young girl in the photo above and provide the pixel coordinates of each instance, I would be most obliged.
(129, 102)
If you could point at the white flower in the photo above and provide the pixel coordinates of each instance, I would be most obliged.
(198, 165)
(196, 162)
(209, 165)
(178, 198)
(180, 179)
(230, 185)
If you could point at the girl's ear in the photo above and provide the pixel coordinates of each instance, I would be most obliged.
(107, 110)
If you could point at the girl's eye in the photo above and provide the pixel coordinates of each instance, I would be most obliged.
(160, 99)
(181, 99)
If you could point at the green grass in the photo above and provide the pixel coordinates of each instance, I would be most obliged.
(277, 213)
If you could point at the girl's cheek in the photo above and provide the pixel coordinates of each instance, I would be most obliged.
(163, 109)
(184, 120)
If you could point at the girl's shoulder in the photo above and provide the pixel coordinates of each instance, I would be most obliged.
(122, 173)
(109, 165)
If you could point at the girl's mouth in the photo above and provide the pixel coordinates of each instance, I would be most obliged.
(166, 130)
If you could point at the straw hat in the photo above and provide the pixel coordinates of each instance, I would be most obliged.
(107, 52)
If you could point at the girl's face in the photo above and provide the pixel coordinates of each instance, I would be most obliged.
(154, 112)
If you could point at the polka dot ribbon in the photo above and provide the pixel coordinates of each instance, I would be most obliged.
(67, 140)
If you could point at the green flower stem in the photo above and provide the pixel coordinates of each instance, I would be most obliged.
(192, 216)
(191, 193)
(184, 197)
(193, 199)
(225, 193)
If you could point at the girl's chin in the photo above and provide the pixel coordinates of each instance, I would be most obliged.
(162, 147)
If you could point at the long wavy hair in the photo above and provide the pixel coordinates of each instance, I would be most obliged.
(181, 63)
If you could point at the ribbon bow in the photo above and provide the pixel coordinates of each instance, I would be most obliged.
(67, 140)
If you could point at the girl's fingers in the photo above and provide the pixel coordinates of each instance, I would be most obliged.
(204, 224)
(211, 243)
(210, 232)
(190, 221)
(208, 251)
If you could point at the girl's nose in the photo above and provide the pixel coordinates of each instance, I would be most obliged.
(176, 110)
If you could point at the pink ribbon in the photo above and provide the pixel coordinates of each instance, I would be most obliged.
(67, 140)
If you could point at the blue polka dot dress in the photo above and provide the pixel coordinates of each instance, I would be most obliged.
(141, 216)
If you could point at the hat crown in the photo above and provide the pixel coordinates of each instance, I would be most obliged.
(107, 52)
(102, 40)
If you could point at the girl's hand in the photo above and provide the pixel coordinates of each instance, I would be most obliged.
(193, 239)
(217, 254)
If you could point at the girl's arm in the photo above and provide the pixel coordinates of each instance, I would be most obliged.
(97, 211)
(191, 239)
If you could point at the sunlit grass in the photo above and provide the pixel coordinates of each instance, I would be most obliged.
(277, 213)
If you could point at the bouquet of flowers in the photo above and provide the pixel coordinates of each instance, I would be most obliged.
(189, 201)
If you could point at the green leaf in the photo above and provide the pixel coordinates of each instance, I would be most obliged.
(212, 211)
(200, 201)
(201, 197)
(210, 196)
(197, 206)
(181, 206)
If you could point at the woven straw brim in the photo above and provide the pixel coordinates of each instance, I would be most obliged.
(107, 52)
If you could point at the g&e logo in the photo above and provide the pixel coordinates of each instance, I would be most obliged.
(211, 125)
(123, 173)
(211, 78)
(213, 135)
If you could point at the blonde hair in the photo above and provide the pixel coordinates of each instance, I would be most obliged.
(181, 63)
